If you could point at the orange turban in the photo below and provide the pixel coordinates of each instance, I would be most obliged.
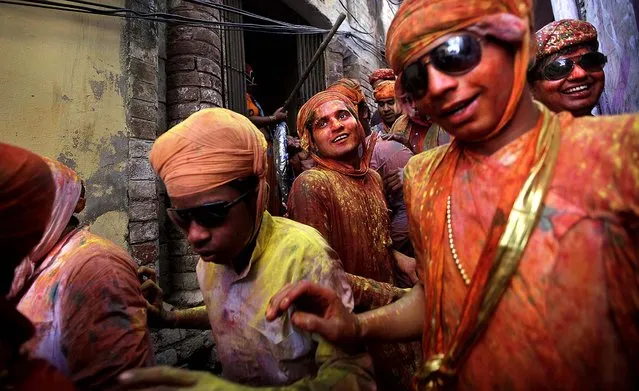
(27, 191)
(418, 23)
(349, 88)
(306, 115)
(209, 149)
(384, 90)
(381, 74)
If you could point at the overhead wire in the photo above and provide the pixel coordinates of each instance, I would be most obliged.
(279, 27)
(108, 10)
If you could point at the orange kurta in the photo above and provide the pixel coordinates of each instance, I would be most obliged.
(351, 213)
(568, 319)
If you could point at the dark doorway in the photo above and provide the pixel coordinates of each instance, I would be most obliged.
(272, 56)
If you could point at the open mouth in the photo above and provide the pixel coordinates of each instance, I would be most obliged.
(458, 107)
(574, 90)
(340, 138)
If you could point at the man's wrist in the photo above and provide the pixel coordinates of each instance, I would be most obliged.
(171, 319)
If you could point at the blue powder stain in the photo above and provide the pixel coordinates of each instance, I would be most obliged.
(53, 293)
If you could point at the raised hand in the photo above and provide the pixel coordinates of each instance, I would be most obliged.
(157, 316)
(316, 309)
(280, 114)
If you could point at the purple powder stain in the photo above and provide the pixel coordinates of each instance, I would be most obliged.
(622, 86)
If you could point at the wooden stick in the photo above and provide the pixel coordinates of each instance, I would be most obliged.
(316, 57)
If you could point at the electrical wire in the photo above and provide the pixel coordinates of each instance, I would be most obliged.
(162, 17)
(348, 11)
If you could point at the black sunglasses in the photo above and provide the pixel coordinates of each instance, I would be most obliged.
(457, 55)
(562, 67)
(209, 215)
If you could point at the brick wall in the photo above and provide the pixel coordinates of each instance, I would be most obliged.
(191, 62)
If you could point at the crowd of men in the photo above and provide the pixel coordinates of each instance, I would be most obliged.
(478, 231)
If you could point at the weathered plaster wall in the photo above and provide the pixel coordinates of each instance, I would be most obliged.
(61, 95)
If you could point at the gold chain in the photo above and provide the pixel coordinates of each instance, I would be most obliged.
(451, 243)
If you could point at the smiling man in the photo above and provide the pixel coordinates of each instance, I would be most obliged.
(525, 226)
(569, 72)
(214, 166)
(343, 199)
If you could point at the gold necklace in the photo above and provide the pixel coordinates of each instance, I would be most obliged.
(451, 243)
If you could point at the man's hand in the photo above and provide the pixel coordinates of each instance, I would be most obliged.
(317, 310)
(293, 142)
(407, 265)
(280, 114)
(168, 378)
(157, 316)
(393, 181)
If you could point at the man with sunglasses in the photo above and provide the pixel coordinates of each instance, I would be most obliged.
(569, 72)
(214, 167)
(524, 226)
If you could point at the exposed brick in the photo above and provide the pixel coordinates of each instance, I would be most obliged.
(145, 91)
(192, 33)
(196, 14)
(188, 347)
(162, 126)
(185, 281)
(180, 63)
(141, 53)
(179, 247)
(199, 48)
(166, 337)
(139, 148)
(143, 129)
(185, 263)
(183, 110)
(143, 232)
(166, 357)
(140, 168)
(208, 66)
(143, 110)
(143, 71)
(188, 79)
(146, 253)
(186, 299)
(161, 88)
(142, 190)
(211, 96)
(143, 210)
(183, 94)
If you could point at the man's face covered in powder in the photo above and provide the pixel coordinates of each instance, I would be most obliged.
(335, 130)
(468, 104)
(217, 231)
